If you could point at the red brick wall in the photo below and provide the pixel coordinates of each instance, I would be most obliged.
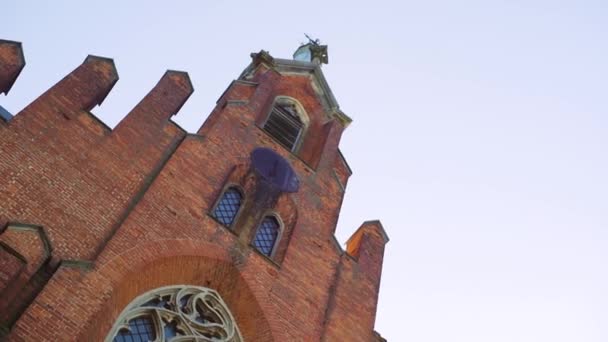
(10, 266)
(127, 211)
(11, 63)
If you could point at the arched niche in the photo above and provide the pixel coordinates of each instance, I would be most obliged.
(169, 263)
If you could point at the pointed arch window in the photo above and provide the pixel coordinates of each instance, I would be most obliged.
(285, 123)
(267, 235)
(176, 313)
(228, 206)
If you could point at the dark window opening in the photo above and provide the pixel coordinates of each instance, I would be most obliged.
(284, 125)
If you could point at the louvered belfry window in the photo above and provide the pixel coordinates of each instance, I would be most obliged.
(284, 125)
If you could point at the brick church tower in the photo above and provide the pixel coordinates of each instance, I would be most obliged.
(147, 232)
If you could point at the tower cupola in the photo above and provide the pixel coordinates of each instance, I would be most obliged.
(312, 52)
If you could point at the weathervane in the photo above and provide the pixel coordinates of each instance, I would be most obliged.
(316, 42)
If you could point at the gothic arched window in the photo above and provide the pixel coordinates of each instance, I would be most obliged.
(266, 236)
(176, 314)
(228, 206)
(284, 123)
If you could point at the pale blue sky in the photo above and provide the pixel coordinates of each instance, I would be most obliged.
(479, 137)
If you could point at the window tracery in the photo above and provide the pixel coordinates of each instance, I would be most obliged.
(176, 314)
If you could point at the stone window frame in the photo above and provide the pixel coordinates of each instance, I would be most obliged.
(302, 114)
(227, 187)
(277, 241)
(161, 316)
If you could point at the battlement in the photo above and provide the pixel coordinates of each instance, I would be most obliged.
(66, 108)
(121, 211)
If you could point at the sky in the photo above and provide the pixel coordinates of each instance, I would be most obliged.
(479, 137)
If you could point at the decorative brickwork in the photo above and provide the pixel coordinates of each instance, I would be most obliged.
(92, 217)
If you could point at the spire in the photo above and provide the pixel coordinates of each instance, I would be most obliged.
(312, 52)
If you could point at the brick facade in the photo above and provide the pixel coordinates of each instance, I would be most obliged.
(92, 217)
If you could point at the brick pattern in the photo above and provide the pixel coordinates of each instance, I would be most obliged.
(30, 246)
(135, 202)
(11, 64)
(10, 266)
